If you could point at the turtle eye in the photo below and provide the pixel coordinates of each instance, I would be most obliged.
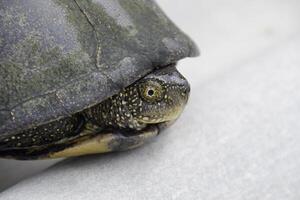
(151, 91)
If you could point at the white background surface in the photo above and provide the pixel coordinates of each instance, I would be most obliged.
(240, 129)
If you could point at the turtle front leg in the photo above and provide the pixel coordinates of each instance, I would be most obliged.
(114, 140)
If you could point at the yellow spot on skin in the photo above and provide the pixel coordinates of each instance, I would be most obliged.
(146, 118)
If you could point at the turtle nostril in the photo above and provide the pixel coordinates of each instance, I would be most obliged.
(186, 90)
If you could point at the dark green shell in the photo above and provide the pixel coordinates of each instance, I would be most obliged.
(58, 57)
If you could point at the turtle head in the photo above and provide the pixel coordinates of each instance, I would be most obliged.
(154, 99)
(159, 97)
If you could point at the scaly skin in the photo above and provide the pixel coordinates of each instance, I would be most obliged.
(154, 99)
(157, 98)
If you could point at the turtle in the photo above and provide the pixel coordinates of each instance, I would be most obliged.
(82, 77)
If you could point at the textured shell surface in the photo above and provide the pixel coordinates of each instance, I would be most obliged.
(59, 57)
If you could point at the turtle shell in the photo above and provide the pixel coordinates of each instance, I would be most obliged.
(59, 57)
